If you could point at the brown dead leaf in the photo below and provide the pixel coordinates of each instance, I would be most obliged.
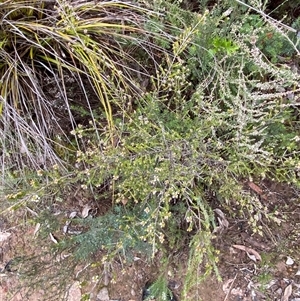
(248, 250)
(124, 201)
(287, 293)
(257, 190)
(254, 243)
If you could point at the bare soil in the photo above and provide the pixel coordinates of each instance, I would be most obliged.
(252, 267)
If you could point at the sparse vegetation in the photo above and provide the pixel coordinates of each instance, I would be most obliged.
(159, 113)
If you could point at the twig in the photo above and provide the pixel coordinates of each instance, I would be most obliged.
(230, 288)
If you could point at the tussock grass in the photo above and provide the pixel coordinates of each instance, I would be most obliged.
(47, 48)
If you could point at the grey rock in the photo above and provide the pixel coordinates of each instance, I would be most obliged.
(103, 295)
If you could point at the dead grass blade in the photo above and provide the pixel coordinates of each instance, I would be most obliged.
(248, 250)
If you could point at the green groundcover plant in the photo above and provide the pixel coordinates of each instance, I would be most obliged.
(218, 105)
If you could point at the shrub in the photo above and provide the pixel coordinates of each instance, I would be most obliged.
(218, 110)
(194, 137)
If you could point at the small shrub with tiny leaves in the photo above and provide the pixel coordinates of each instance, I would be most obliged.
(219, 108)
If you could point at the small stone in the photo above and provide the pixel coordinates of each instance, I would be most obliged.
(289, 261)
(74, 293)
(103, 295)
(4, 236)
